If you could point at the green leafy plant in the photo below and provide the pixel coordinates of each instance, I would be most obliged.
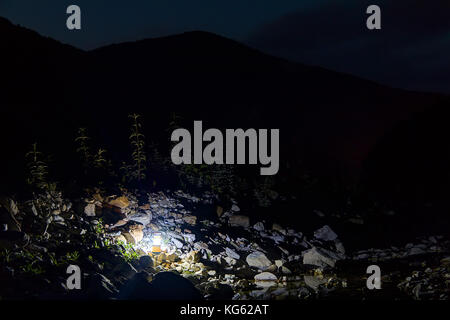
(136, 170)
(53, 260)
(99, 160)
(32, 268)
(6, 256)
(38, 169)
(72, 256)
(91, 159)
(83, 148)
(99, 227)
(127, 251)
(220, 178)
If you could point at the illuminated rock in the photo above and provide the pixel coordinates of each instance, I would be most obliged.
(258, 260)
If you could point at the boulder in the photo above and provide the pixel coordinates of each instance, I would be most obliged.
(321, 257)
(265, 279)
(231, 253)
(145, 262)
(325, 233)
(121, 238)
(219, 211)
(177, 243)
(266, 276)
(278, 228)
(259, 226)
(193, 256)
(134, 234)
(120, 202)
(123, 270)
(89, 210)
(314, 282)
(100, 287)
(142, 218)
(235, 208)
(190, 219)
(239, 221)
(258, 260)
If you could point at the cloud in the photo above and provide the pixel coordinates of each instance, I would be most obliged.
(411, 50)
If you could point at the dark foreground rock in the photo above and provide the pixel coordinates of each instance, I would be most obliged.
(165, 286)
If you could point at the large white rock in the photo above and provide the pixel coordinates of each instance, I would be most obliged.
(325, 233)
(177, 243)
(258, 260)
(321, 257)
(265, 279)
(266, 276)
(89, 210)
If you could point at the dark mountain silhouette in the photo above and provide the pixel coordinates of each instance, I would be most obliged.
(328, 120)
(411, 162)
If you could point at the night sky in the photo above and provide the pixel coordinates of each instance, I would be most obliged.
(411, 51)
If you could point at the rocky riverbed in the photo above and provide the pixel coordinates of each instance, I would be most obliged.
(208, 252)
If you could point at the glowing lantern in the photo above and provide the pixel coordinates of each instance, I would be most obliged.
(156, 246)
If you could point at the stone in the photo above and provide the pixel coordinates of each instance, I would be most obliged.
(321, 257)
(339, 247)
(89, 210)
(154, 227)
(230, 261)
(235, 208)
(265, 279)
(172, 257)
(231, 253)
(325, 233)
(142, 218)
(134, 234)
(259, 226)
(239, 221)
(100, 287)
(416, 251)
(193, 256)
(285, 270)
(278, 228)
(314, 282)
(356, 220)
(145, 262)
(123, 270)
(120, 202)
(219, 211)
(190, 219)
(258, 260)
(177, 243)
(266, 276)
(189, 237)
